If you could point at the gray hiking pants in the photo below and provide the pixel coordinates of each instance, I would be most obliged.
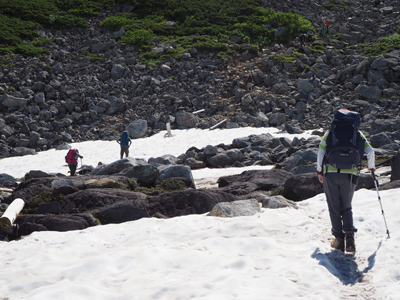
(339, 191)
(124, 150)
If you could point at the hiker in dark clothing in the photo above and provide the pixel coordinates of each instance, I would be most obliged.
(125, 142)
(302, 39)
(339, 177)
(310, 35)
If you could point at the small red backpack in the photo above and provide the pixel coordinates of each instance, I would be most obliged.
(70, 157)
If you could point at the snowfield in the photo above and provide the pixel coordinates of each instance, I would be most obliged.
(276, 254)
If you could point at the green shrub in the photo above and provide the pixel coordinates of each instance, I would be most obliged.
(41, 41)
(44, 197)
(138, 37)
(277, 191)
(383, 46)
(173, 185)
(20, 19)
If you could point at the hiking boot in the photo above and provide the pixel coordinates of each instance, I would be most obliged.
(350, 244)
(338, 243)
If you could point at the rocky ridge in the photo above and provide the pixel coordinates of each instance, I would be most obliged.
(69, 96)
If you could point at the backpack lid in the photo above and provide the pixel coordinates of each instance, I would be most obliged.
(344, 114)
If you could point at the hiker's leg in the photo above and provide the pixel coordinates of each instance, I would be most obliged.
(72, 168)
(127, 151)
(122, 152)
(332, 192)
(347, 189)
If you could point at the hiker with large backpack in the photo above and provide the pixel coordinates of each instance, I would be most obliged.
(72, 160)
(340, 152)
(125, 142)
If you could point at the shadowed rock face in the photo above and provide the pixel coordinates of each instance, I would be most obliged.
(250, 181)
(187, 202)
(302, 186)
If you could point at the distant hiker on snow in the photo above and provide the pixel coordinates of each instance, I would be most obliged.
(72, 160)
(125, 142)
(340, 152)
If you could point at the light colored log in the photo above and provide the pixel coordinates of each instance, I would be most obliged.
(11, 213)
(216, 125)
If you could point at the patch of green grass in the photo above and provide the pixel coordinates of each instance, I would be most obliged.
(287, 58)
(319, 46)
(21, 19)
(165, 186)
(92, 56)
(5, 62)
(10, 89)
(382, 46)
(277, 191)
(44, 197)
(204, 25)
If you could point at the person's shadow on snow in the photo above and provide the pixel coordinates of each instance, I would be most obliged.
(343, 266)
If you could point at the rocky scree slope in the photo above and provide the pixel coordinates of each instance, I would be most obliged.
(71, 96)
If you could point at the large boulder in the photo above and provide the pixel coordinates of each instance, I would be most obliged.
(171, 171)
(302, 186)
(365, 181)
(387, 125)
(30, 223)
(7, 180)
(187, 202)
(395, 164)
(186, 119)
(119, 165)
(137, 129)
(122, 212)
(391, 185)
(236, 208)
(145, 174)
(277, 202)
(92, 199)
(254, 180)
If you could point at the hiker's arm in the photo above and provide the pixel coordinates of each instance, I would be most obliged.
(369, 151)
(321, 151)
(370, 157)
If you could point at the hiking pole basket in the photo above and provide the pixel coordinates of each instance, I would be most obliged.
(380, 202)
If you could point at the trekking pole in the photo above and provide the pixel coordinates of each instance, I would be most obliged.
(380, 202)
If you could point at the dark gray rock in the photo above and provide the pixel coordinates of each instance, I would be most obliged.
(187, 202)
(48, 208)
(7, 180)
(302, 186)
(395, 164)
(175, 171)
(119, 165)
(146, 175)
(122, 212)
(278, 202)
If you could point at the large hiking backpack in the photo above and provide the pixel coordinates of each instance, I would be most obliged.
(70, 157)
(344, 145)
(125, 138)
